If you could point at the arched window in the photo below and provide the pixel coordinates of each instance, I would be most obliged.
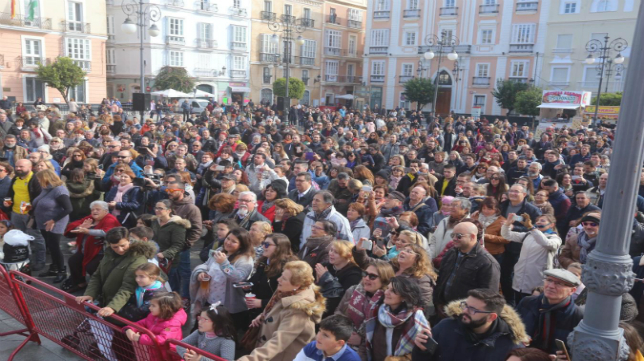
(266, 95)
(444, 78)
(306, 98)
(206, 87)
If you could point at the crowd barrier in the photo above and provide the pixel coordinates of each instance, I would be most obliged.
(11, 304)
(54, 314)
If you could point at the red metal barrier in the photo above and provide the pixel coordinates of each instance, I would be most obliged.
(196, 350)
(12, 304)
(58, 317)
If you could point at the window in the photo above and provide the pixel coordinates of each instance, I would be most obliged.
(205, 31)
(382, 5)
(237, 4)
(564, 41)
(353, 40)
(34, 89)
(268, 6)
(487, 36)
(288, 9)
(267, 95)
(380, 37)
(268, 47)
(489, 2)
(570, 8)
(483, 70)
(333, 39)
(308, 49)
(479, 101)
(305, 77)
(378, 67)
(598, 36)
(75, 16)
(239, 36)
(407, 70)
(412, 5)
(78, 49)
(350, 70)
(306, 99)
(239, 63)
(176, 58)
(110, 27)
(110, 58)
(175, 27)
(449, 33)
(519, 69)
(559, 74)
(354, 14)
(591, 76)
(332, 70)
(32, 52)
(26, 5)
(603, 5)
(266, 75)
(450, 3)
(306, 13)
(79, 93)
(523, 33)
(410, 38)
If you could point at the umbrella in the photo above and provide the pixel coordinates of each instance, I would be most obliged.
(171, 93)
(345, 96)
(202, 94)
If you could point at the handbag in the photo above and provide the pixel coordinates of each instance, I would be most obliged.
(249, 340)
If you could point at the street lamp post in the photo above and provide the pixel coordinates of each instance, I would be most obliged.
(287, 25)
(434, 42)
(604, 49)
(142, 13)
(618, 69)
(458, 71)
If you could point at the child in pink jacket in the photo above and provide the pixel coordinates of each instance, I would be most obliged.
(165, 321)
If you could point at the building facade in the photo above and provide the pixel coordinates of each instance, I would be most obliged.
(342, 50)
(268, 62)
(39, 32)
(571, 25)
(211, 39)
(495, 39)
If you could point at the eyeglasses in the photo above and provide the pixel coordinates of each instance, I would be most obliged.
(589, 224)
(471, 310)
(371, 276)
(459, 236)
(267, 245)
(160, 209)
(317, 227)
(122, 157)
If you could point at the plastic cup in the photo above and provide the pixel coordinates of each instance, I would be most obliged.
(205, 283)
(250, 296)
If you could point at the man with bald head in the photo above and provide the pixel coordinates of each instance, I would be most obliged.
(465, 267)
(24, 189)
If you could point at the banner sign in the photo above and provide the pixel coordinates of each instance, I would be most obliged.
(604, 111)
(566, 97)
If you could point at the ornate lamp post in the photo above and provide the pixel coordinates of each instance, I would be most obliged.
(440, 45)
(287, 25)
(603, 50)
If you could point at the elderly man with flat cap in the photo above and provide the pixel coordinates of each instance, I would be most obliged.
(551, 315)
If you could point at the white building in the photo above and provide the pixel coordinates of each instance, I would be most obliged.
(211, 39)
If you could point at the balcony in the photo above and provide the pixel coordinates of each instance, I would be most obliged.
(111, 69)
(204, 72)
(449, 11)
(23, 21)
(76, 26)
(206, 43)
(377, 78)
(206, 6)
(356, 24)
(381, 14)
(460, 49)
(411, 13)
(402, 79)
(563, 50)
(334, 19)
(174, 3)
(269, 58)
(489, 9)
(519, 79)
(335, 51)
(236, 45)
(175, 40)
(86, 65)
(304, 61)
(378, 49)
(30, 63)
(558, 84)
(482, 81)
(267, 15)
(350, 79)
(521, 48)
(288, 18)
(238, 73)
(527, 6)
(307, 23)
(331, 78)
(238, 11)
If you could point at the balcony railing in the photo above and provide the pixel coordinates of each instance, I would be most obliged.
(236, 45)
(206, 43)
(562, 50)
(519, 79)
(238, 11)
(381, 14)
(527, 6)
(378, 49)
(334, 19)
(267, 15)
(175, 3)
(76, 26)
(204, 72)
(23, 21)
(288, 18)
(521, 48)
(460, 49)
(356, 24)
(335, 51)
(86, 65)
(481, 81)
(377, 78)
(307, 23)
(206, 6)
(174, 39)
(489, 9)
(111, 69)
(351, 79)
(269, 58)
(238, 73)
(405, 78)
(331, 78)
(559, 84)
(31, 61)
(305, 61)
(411, 13)
(449, 11)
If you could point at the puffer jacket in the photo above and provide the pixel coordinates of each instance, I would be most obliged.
(163, 330)
(537, 255)
(171, 237)
(114, 280)
(289, 326)
(453, 343)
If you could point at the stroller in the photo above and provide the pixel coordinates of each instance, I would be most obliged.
(15, 251)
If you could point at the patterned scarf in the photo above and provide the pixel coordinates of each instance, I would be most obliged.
(546, 327)
(322, 215)
(411, 321)
(362, 306)
(586, 244)
(277, 296)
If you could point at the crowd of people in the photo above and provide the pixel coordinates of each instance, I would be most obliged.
(344, 235)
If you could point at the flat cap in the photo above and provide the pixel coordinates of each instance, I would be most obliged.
(397, 195)
(563, 275)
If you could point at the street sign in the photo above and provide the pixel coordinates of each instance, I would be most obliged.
(476, 112)
(147, 88)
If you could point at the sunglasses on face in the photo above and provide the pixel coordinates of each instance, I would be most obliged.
(589, 224)
(267, 245)
(458, 236)
(371, 276)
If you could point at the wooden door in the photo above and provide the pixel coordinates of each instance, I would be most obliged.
(443, 101)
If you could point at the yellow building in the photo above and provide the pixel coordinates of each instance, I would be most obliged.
(267, 52)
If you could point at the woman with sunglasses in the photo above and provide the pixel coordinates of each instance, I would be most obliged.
(497, 186)
(75, 162)
(540, 244)
(268, 268)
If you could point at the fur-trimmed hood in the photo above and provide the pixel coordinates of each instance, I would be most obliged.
(509, 315)
(176, 219)
(142, 248)
(310, 301)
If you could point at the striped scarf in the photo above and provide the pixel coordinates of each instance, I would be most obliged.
(412, 321)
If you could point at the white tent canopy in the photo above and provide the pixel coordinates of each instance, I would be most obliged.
(345, 96)
(202, 94)
(171, 93)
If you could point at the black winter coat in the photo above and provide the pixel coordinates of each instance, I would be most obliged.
(133, 313)
(130, 206)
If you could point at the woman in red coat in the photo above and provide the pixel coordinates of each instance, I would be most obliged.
(89, 232)
(273, 191)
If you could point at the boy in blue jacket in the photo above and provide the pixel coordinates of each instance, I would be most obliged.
(330, 342)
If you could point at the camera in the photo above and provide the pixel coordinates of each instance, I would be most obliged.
(156, 178)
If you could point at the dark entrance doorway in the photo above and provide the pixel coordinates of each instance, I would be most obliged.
(444, 97)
